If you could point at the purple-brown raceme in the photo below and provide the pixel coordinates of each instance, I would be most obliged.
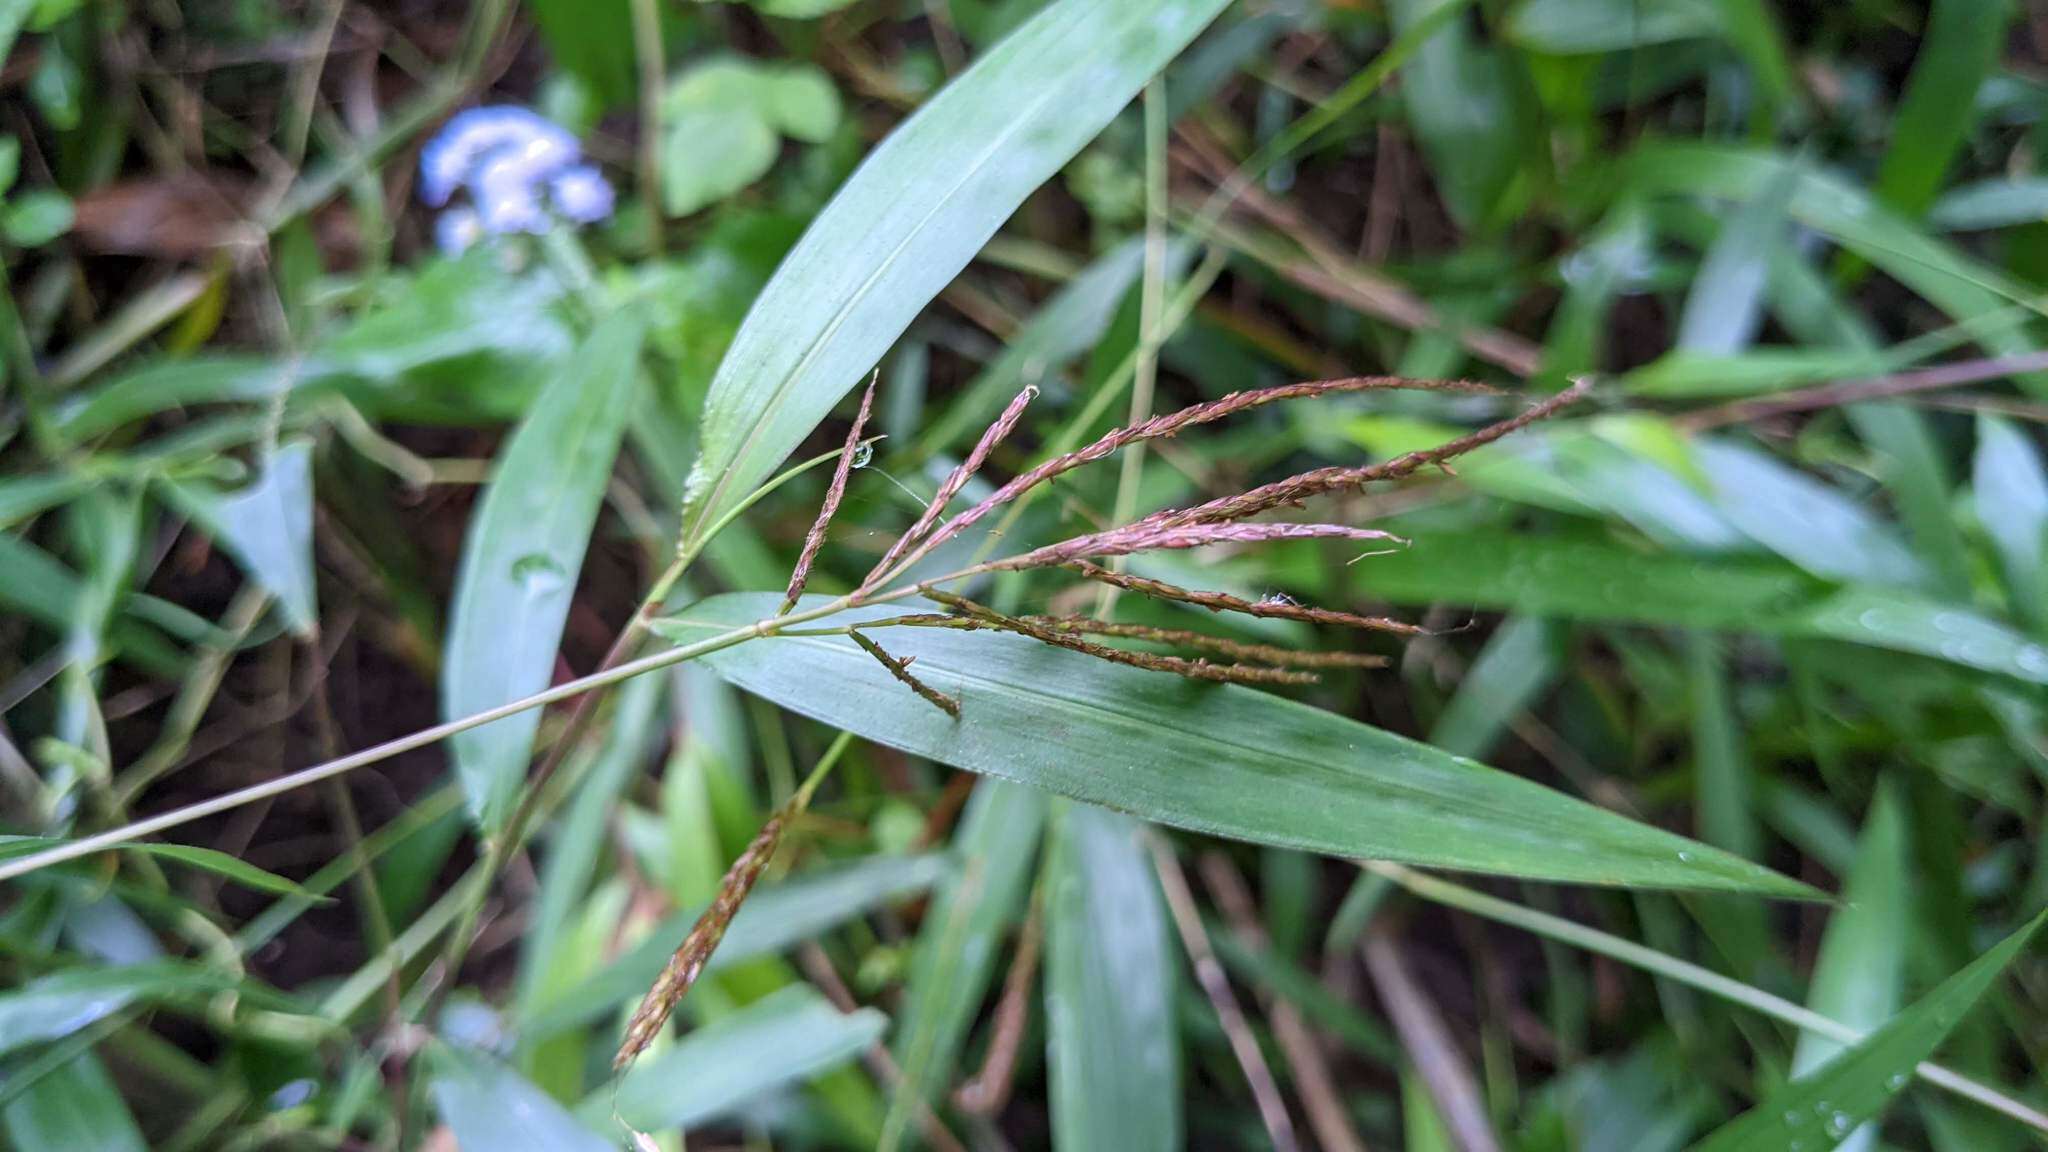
(815, 540)
(996, 434)
(695, 951)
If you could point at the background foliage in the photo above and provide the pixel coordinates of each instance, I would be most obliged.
(1762, 620)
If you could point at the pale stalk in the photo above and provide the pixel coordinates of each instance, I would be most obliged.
(1685, 972)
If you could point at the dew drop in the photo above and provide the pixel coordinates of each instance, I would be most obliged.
(1685, 857)
(1839, 1124)
(537, 573)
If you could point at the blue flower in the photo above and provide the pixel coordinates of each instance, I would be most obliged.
(581, 194)
(521, 171)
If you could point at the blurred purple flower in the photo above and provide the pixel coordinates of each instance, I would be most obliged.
(582, 194)
(521, 171)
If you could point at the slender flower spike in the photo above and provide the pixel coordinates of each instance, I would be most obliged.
(521, 170)
(833, 493)
(695, 951)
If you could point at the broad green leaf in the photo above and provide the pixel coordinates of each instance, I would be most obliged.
(918, 209)
(521, 558)
(1958, 50)
(268, 527)
(772, 919)
(722, 124)
(802, 102)
(1857, 977)
(1856, 1086)
(962, 936)
(2011, 492)
(489, 1106)
(74, 1107)
(1222, 760)
(1519, 662)
(789, 1036)
(1110, 972)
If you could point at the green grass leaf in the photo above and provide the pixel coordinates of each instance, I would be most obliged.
(918, 209)
(54, 1006)
(1904, 622)
(1857, 977)
(1856, 1086)
(1467, 112)
(2011, 492)
(207, 859)
(1110, 973)
(962, 935)
(1803, 519)
(1962, 287)
(75, 1107)
(1957, 52)
(772, 919)
(488, 1105)
(268, 527)
(1586, 578)
(1519, 663)
(1223, 760)
(1568, 27)
(1724, 306)
(522, 555)
(1989, 204)
(788, 1036)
